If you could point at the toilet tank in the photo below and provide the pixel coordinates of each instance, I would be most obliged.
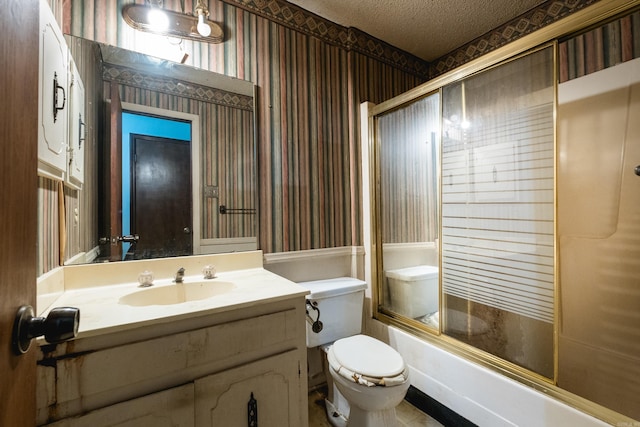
(339, 302)
(413, 291)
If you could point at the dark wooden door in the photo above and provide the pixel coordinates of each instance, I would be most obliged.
(110, 221)
(18, 210)
(161, 196)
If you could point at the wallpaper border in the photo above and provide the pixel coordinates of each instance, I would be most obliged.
(132, 77)
(349, 38)
(353, 39)
(527, 23)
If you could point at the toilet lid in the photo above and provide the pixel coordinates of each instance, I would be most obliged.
(368, 356)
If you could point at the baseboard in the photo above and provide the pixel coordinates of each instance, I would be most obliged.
(435, 409)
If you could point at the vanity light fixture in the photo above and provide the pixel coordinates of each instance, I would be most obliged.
(149, 18)
(203, 14)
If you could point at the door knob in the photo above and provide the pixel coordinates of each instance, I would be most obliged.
(60, 325)
(186, 230)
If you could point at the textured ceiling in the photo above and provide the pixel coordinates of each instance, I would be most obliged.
(428, 29)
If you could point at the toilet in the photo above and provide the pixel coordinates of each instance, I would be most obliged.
(414, 290)
(367, 378)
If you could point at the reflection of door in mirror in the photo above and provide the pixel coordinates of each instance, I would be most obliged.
(111, 223)
(160, 197)
(150, 182)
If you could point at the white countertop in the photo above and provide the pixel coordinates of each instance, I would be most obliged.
(101, 311)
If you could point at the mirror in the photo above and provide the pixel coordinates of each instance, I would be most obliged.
(115, 215)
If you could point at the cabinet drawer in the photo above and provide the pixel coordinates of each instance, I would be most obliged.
(167, 408)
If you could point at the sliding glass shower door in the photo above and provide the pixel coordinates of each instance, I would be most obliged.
(498, 209)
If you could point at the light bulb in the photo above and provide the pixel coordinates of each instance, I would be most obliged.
(158, 19)
(203, 28)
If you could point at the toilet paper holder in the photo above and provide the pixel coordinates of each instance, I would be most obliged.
(316, 325)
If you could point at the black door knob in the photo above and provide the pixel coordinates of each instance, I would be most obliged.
(60, 325)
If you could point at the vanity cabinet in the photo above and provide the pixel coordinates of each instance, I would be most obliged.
(211, 365)
(75, 151)
(265, 391)
(52, 91)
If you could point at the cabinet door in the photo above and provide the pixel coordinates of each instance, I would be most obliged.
(168, 408)
(75, 173)
(52, 90)
(223, 399)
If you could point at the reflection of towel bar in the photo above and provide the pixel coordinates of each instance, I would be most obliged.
(225, 210)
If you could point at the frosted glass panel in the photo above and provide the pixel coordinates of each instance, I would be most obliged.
(498, 211)
(408, 146)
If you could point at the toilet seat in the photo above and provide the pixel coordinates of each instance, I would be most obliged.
(367, 361)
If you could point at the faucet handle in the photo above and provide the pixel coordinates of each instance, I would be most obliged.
(209, 271)
(179, 275)
(145, 279)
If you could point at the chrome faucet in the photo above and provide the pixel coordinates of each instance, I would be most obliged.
(179, 276)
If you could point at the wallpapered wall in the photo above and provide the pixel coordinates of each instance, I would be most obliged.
(311, 76)
(603, 47)
(308, 95)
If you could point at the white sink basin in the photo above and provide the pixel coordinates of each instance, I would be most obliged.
(176, 293)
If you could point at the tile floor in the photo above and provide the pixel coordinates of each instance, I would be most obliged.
(407, 414)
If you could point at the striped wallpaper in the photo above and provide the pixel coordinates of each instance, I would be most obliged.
(410, 137)
(309, 90)
(48, 228)
(600, 48)
(311, 79)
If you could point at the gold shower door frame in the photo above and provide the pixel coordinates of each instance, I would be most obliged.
(586, 18)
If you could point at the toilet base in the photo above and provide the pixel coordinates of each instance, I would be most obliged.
(361, 418)
(335, 418)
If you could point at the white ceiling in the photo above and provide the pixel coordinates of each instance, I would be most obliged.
(429, 29)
